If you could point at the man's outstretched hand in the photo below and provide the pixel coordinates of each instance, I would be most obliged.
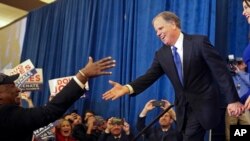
(117, 91)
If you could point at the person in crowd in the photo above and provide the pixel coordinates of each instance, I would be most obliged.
(63, 131)
(25, 100)
(166, 130)
(87, 114)
(26, 97)
(100, 125)
(94, 126)
(74, 118)
(246, 53)
(197, 72)
(117, 130)
(23, 121)
(86, 131)
(242, 84)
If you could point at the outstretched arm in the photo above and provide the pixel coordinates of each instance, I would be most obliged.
(33, 118)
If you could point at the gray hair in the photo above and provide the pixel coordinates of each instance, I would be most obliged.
(169, 17)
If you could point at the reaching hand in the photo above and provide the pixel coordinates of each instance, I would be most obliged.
(93, 69)
(117, 91)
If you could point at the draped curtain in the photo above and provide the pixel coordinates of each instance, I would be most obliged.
(60, 37)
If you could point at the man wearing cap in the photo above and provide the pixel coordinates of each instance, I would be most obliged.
(18, 124)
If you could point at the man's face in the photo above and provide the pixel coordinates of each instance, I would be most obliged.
(9, 94)
(166, 31)
(165, 120)
(116, 129)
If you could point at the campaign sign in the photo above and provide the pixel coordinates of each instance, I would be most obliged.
(34, 82)
(22, 68)
(26, 69)
(56, 85)
(239, 132)
(44, 133)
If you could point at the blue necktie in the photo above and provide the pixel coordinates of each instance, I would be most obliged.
(178, 64)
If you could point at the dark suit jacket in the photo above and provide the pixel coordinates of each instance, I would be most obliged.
(110, 137)
(156, 134)
(18, 124)
(203, 69)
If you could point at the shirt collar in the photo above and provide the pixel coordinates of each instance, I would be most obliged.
(117, 137)
(164, 129)
(179, 43)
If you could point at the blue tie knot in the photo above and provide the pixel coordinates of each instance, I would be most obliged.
(174, 49)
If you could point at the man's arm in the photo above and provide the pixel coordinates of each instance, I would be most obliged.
(138, 85)
(18, 118)
(142, 117)
(221, 74)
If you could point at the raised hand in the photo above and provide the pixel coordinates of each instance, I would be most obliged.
(93, 69)
(149, 105)
(126, 128)
(166, 104)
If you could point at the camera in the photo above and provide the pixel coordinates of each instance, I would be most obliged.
(158, 103)
(231, 63)
(99, 121)
(117, 121)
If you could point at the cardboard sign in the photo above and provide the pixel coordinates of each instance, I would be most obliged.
(56, 85)
(26, 69)
(32, 81)
(22, 68)
(44, 133)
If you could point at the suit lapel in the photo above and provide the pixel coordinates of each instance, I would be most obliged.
(172, 71)
(187, 50)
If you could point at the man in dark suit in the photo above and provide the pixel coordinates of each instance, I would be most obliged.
(198, 75)
(165, 131)
(18, 124)
(117, 130)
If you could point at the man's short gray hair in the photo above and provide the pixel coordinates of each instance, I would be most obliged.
(169, 17)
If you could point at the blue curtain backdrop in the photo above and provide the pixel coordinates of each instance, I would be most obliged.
(60, 37)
